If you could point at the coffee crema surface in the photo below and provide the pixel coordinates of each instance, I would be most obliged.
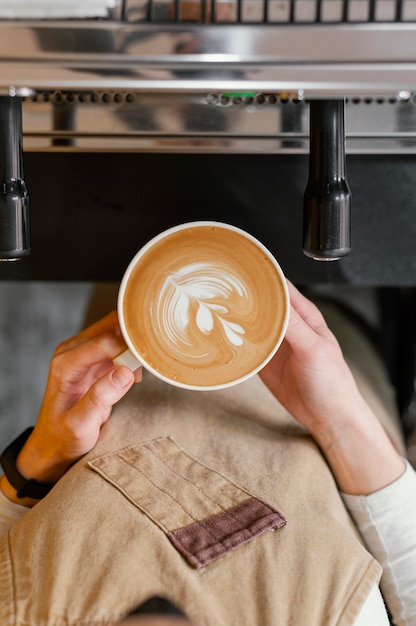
(204, 306)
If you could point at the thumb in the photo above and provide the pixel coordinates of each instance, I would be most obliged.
(105, 392)
(299, 335)
(306, 325)
(122, 377)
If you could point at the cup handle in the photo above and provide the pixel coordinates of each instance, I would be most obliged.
(127, 358)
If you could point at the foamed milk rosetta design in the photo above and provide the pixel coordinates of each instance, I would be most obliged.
(204, 306)
(200, 288)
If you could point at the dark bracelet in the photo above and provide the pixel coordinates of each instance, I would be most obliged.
(25, 487)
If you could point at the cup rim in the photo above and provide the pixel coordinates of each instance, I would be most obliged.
(166, 233)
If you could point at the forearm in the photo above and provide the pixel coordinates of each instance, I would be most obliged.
(361, 455)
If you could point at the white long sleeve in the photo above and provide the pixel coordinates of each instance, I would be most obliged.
(10, 513)
(387, 522)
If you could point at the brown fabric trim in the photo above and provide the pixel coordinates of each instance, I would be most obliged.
(207, 540)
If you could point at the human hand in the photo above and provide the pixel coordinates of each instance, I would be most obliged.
(83, 385)
(309, 374)
(311, 379)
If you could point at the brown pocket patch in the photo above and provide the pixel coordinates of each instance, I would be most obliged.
(207, 540)
(204, 514)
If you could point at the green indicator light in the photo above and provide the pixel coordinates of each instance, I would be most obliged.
(239, 94)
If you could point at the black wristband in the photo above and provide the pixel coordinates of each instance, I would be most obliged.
(25, 487)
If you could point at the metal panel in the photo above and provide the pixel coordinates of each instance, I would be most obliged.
(357, 59)
(226, 122)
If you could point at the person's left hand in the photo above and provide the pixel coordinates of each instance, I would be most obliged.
(82, 387)
(311, 379)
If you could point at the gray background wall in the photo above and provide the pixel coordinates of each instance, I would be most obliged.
(34, 318)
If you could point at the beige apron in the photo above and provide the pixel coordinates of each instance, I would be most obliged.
(131, 521)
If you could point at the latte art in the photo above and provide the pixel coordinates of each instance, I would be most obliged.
(200, 289)
(203, 305)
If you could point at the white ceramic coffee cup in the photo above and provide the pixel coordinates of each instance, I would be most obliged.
(133, 358)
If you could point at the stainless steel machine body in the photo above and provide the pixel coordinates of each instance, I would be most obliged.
(209, 75)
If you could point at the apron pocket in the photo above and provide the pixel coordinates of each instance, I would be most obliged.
(204, 514)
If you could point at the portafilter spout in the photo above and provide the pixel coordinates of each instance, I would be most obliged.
(327, 199)
(14, 199)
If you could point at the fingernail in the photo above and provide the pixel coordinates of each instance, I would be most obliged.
(122, 376)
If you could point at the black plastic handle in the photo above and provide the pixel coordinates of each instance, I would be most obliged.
(327, 199)
(14, 199)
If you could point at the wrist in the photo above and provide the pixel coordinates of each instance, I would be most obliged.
(361, 455)
(11, 494)
(347, 418)
(24, 487)
(35, 461)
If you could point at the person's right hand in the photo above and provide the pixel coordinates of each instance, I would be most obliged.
(83, 385)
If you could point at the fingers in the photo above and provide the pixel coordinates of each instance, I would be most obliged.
(109, 324)
(79, 361)
(306, 323)
(306, 309)
(82, 360)
(299, 335)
